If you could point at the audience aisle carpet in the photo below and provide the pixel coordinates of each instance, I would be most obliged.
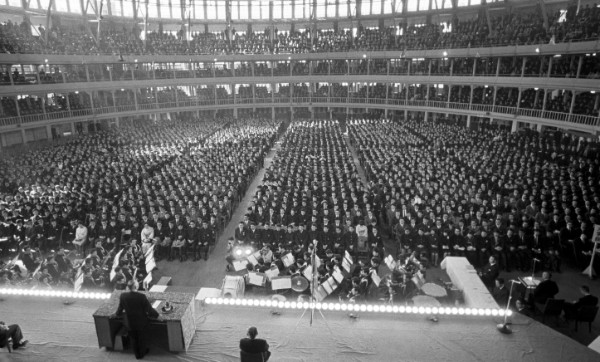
(371, 337)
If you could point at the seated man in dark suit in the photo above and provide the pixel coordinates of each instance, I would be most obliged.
(13, 331)
(545, 290)
(500, 292)
(255, 345)
(587, 300)
(490, 272)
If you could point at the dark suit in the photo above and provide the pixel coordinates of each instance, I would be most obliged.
(500, 295)
(13, 331)
(572, 308)
(137, 310)
(545, 290)
(489, 274)
(256, 345)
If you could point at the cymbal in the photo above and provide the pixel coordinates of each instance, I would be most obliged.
(299, 283)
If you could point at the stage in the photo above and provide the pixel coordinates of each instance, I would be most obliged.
(370, 337)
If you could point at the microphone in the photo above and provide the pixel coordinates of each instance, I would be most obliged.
(516, 281)
(536, 259)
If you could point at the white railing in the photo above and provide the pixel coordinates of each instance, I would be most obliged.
(440, 106)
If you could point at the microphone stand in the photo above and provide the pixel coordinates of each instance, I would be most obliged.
(533, 269)
(504, 327)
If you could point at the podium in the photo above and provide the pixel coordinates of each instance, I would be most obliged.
(179, 325)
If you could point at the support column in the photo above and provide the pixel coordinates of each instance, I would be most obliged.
(515, 126)
(540, 128)
(572, 102)
(579, 65)
(468, 121)
(49, 132)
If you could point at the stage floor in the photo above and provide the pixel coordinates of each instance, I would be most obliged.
(371, 337)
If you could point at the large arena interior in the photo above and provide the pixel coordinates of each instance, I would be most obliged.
(360, 180)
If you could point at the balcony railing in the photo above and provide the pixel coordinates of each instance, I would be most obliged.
(488, 110)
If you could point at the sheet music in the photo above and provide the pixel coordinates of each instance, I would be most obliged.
(376, 278)
(252, 259)
(272, 273)
(288, 259)
(156, 303)
(281, 283)
(390, 262)
(346, 265)
(337, 274)
(256, 279)
(320, 293)
(308, 272)
(240, 264)
(349, 257)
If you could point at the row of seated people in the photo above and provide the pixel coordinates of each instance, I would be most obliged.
(298, 207)
(105, 188)
(566, 66)
(506, 29)
(481, 193)
(585, 103)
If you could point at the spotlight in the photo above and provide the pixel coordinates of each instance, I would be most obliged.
(402, 309)
(445, 54)
(238, 252)
(248, 251)
(395, 309)
(338, 307)
(461, 311)
(369, 308)
(280, 304)
(537, 50)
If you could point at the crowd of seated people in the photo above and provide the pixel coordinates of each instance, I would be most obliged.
(506, 29)
(170, 185)
(482, 192)
(313, 203)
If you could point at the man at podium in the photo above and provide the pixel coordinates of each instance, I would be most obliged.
(137, 310)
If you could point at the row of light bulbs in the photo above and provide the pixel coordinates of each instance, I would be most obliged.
(54, 293)
(359, 307)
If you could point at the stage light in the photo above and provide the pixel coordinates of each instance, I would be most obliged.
(281, 304)
(293, 305)
(481, 312)
(244, 302)
(495, 312)
(262, 303)
(501, 312)
(325, 306)
(461, 311)
(317, 305)
(421, 310)
(488, 312)
(402, 309)
(226, 301)
(537, 50)
(238, 302)
(305, 305)
(369, 308)
(509, 312)
(427, 310)
(343, 307)
(445, 54)
(375, 308)
(238, 252)
(448, 310)
(434, 310)
(287, 305)
(336, 306)
(248, 251)
(362, 308)
(356, 307)
(388, 309)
